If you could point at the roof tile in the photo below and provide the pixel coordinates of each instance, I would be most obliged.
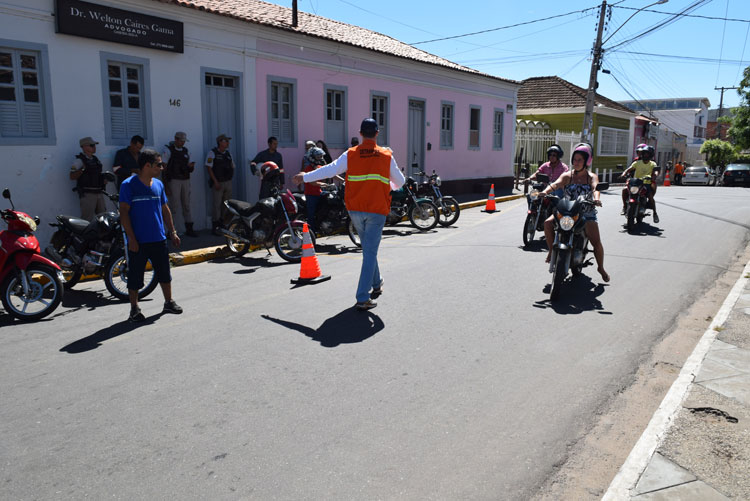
(554, 92)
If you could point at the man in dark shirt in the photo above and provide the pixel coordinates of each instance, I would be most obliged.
(126, 160)
(269, 155)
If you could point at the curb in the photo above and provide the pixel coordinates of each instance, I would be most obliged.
(217, 251)
(630, 472)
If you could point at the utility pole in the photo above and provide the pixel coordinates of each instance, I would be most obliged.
(588, 116)
(721, 106)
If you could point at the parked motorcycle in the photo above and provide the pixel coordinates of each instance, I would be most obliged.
(539, 209)
(571, 244)
(450, 210)
(422, 212)
(270, 222)
(30, 284)
(97, 247)
(635, 208)
(331, 216)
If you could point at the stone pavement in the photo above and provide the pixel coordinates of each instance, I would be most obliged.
(697, 445)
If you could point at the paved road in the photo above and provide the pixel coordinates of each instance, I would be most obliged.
(465, 382)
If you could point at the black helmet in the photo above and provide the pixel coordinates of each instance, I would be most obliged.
(555, 148)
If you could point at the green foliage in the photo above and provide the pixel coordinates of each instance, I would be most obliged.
(741, 159)
(720, 153)
(739, 132)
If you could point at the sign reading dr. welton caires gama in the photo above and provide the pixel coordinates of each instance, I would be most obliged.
(115, 25)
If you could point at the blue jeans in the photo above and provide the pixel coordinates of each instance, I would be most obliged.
(312, 206)
(369, 227)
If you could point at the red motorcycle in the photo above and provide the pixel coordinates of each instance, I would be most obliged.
(31, 285)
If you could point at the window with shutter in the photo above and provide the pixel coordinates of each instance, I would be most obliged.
(22, 112)
(497, 131)
(446, 126)
(281, 111)
(379, 112)
(335, 117)
(126, 101)
(474, 127)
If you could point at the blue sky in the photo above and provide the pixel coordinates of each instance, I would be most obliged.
(685, 58)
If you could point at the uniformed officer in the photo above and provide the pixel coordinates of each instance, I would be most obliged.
(177, 179)
(87, 173)
(220, 167)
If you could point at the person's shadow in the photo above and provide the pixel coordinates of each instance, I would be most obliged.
(96, 339)
(578, 294)
(349, 326)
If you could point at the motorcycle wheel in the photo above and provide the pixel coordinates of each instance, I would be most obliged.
(353, 236)
(45, 293)
(528, 230)
(630, 225)
(424, 216)
(559, 274)
(289, 244)
(116, 277)
(239, 229)
(449, 212)
(71, 278)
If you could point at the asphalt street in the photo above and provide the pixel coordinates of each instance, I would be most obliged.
(464, 383)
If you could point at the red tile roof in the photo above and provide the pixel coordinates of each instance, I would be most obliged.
(554, 92)
(276, 16)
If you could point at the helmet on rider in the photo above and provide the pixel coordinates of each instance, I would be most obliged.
(556, 149)
(269, 171)
(586, 150)
(317, 155)
(645, 150)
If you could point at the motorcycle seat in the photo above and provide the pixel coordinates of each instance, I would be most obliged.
(243, 208)
(74, 224)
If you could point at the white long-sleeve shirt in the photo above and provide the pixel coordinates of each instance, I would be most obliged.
(340, 165)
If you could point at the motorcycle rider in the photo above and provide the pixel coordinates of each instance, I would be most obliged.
(579, 181)
(313, 159)
(644, 166)
(553, 168)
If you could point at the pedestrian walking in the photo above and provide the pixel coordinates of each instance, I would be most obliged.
(371, 174)
(87, 173)
(177, 179)
(144, 213)
(126, 160)
(268, 155)
(220, 167)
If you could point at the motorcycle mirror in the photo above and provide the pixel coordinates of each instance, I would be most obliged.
(602, 187)
(6, 193)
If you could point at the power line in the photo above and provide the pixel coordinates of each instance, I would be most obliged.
(501, 27)
(685, 58)
(721, 51)
(687, 15)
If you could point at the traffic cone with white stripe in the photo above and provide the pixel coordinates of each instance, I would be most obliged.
(667, 182)
(309, 268)
(490, 207)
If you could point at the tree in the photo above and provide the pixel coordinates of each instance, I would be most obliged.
(739, 132)
(720, 153)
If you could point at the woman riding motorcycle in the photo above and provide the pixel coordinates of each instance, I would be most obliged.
(577, 182)
(553, 168)
(642, 168)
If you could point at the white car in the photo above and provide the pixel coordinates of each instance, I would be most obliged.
(698, 175)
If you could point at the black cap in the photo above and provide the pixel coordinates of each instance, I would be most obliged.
(369, 126)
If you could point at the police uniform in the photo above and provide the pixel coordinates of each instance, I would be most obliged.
(89, 185)
(177, 177)
(222, 166)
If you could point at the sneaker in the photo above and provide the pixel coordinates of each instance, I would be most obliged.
(366, 305)
(377, 291)
(136, 315)
(656, 218)
(172, 307)
(624, 210)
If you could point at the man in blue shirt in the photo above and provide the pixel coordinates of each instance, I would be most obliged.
(143, 211)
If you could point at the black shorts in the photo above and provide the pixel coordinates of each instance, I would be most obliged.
(158, 253)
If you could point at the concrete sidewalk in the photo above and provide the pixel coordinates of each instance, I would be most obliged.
(697, 445)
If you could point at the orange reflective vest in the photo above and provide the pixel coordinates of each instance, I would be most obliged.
(368, 173)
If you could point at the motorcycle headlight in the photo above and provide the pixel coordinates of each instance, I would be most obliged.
(438, 182)
(567, 222)
(634, 190)
(27, 220)
(534, 194)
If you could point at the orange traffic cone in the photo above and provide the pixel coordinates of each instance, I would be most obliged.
(309, 268)
(667, 182)
(490, 207)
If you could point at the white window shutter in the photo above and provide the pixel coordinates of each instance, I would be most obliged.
(135, 122)
(119, 127)
(10, 119)
(33, 120)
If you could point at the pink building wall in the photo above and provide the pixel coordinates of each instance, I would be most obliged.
(458, 163)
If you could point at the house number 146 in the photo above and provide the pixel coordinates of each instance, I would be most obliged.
(174, 102)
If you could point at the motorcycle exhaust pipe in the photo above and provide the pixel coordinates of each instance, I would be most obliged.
(234, 236)
(56, 257)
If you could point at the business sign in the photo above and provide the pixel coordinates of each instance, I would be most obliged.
(89, 20)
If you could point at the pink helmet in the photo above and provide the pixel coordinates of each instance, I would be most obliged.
(586, 150)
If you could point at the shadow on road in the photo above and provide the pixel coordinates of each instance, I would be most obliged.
(349, 326)
(645, 229)
(579, 294)
(96, 339)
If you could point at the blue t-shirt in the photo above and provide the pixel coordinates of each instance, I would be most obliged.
(145, 208)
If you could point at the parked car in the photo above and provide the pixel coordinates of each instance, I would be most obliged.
(699, 175)
(736, 174)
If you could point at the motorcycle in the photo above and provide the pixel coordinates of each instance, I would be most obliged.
(540, 208)
(331, 216)
(30, 284)
(97, 247)
(422, 212)
(268, 222)
(635, 208)
(450, 210)
(571, 244)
